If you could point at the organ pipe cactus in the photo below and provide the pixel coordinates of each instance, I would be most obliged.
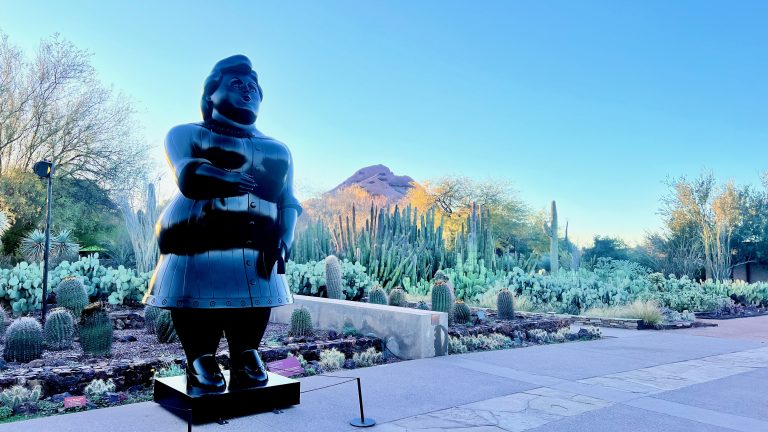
(551, 229)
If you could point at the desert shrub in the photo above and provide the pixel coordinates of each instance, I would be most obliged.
(331, 359)
(96, 389)
(366, 358)
(17, 396)
(169, 369)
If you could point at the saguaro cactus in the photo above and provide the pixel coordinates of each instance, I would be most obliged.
(551, 229)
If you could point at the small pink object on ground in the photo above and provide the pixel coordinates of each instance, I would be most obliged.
(74, 401)
(287, 368)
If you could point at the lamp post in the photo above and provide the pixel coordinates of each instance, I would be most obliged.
(44, 170)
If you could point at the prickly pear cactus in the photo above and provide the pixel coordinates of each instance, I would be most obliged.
(397, 297)
(23, 340)
(461, 312)
(301, 322)
(71, 294)
(505, 304)
(166, 332)
(334, 283)
(96, 330)
(59, 329)
(377, 295)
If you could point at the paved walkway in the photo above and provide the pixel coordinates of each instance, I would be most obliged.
(630, 381)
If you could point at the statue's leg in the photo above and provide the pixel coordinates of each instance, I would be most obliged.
(199, 331)
(244, 329)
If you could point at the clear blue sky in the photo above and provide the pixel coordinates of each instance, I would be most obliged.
(591, 103)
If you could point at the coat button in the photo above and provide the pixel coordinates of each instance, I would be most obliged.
(253, 205)
(251, 223)
(248, 242)
(248, 262)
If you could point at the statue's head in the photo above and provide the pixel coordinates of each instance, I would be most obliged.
(233, 90)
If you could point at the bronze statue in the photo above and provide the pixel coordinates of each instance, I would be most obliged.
(225, 237)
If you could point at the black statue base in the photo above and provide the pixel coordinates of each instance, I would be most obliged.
(279, 392)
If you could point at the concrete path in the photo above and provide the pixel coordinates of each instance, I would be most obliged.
(630, 381)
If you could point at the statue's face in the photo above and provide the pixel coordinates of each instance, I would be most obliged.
(237, 98)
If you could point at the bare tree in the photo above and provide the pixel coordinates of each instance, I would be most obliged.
(53, 107)
(714, 210)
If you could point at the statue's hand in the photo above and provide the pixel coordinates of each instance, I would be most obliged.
(244, 183)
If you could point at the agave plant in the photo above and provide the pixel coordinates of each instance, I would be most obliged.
(63, 245)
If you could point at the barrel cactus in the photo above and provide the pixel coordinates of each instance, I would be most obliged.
(23, 340)
(59, 329)
(397, 297)
(334, 283)
(71, 294)
(150, 318)
(166, 332)
(96, 330)
(505, 305)
(301, 322)
(377, 295)
(461, 312)
(442, 298)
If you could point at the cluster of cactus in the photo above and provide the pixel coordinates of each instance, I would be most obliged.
(334, 283)
(96, 330)
(150, 318)
(17, 396)
(59, 329)
(442, 298)
(166, 332)
(397, 297)
(309, 277)
(377, 295)
(71, 295)
(301, 322)
(23, 340)
(461, 312)
(390, 244)
(476, 238)
(505, 306)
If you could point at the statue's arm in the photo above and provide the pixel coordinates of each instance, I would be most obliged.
(197, 177)
(289, 209)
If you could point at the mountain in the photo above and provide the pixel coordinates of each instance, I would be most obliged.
(378, 180)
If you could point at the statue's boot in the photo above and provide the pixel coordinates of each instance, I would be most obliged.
(204, 375)
(249, 371)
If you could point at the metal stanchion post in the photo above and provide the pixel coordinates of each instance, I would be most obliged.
(361, 422)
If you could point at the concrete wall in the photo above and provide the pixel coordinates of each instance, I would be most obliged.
(408, 333)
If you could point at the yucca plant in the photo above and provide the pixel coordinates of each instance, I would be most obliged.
(63, 245)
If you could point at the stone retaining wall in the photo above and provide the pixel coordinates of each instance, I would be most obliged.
(55, 378)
